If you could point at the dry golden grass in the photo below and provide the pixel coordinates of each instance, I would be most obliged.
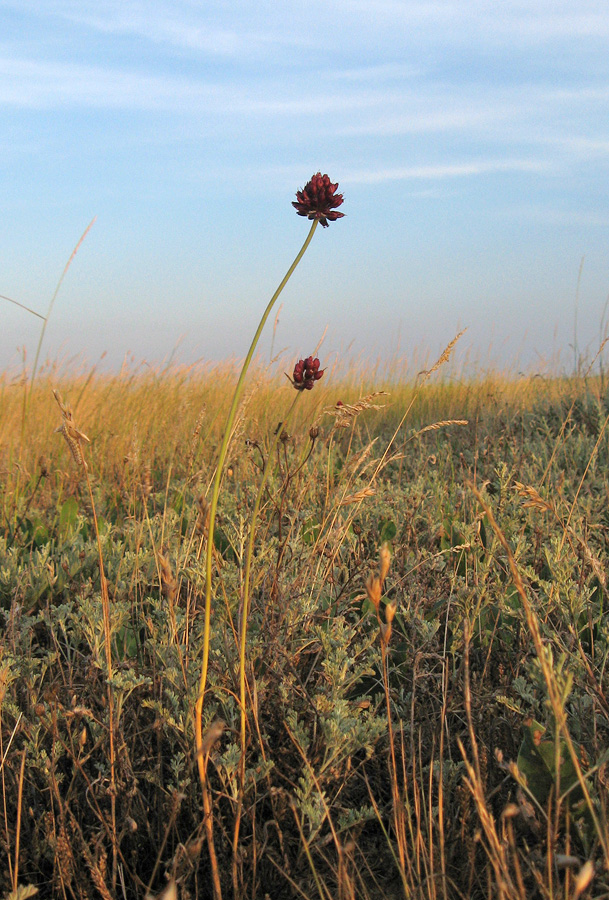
(454, 618)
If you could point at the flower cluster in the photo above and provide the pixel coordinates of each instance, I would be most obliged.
(318, 200)
(306, 373)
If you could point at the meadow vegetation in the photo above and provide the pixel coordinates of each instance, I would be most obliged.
(425, 662)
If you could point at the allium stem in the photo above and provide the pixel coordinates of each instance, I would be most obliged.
(198, 722)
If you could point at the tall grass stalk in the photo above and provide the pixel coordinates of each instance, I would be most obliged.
(22, 306)
(52, 303)
(198, 718)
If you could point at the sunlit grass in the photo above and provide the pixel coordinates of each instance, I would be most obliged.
(379, 761)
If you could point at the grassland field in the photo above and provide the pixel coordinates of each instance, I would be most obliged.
(427, 711)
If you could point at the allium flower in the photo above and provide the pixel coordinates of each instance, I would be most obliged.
(317, 200)
(306, 373)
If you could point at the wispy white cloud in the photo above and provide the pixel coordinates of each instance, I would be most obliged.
(563, 218)
(385, 72)
(198, 28)
(30, 83)
(446, 171)
(236, 30)
(543, 21)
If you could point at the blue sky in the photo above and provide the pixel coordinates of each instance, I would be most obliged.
(471, 141)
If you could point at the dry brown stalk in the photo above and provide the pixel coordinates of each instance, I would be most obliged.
(96, 862)
(444, 424)
(374, 588)
(64, 857)
(357, 497)
(213, 733)
(169, 583)
(532, 498)
(345, 413)
(73, 437)
(202, 523)
(444, 356)
(18, 825)
(146, 484)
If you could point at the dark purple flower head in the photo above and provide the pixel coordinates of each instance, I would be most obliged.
(306, 373)
(318, 200)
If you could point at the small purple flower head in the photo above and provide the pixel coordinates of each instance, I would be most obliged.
(318, 200)
(306, 373)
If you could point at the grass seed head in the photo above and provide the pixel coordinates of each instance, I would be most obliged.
(169, 583)
(202, 522)
(373, 589)
(146, 483)
(584, 878)
(385, 560)
(73, 437)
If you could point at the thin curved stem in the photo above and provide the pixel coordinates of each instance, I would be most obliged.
(214, 505)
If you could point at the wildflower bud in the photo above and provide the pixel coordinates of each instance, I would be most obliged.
(44, 465)
(306, 373)
(314, 432)
(83, 737)
(385, 559)
(319, 200)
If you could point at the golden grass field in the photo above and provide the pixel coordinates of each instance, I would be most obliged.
(414, 701)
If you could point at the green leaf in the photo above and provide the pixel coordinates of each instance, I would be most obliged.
(310, 531)
(537, 762)
(388, 530)
(68, 515)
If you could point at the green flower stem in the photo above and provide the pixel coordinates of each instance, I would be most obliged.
(198, 723)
